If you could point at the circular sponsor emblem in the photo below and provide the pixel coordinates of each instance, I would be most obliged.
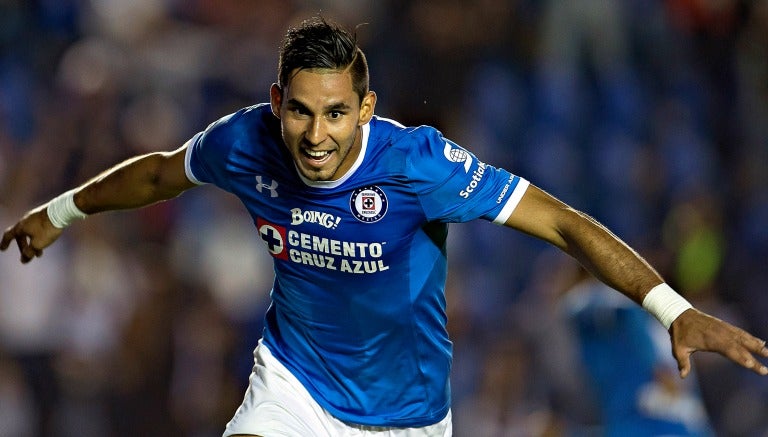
(368, 204)
(456, 154)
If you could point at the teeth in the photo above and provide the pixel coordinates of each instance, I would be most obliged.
(317, 154)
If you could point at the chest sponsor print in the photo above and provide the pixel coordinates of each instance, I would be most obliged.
(354, 257)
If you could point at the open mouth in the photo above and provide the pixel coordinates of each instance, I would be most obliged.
(317, 156)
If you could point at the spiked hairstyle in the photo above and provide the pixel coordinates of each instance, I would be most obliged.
(320, 44)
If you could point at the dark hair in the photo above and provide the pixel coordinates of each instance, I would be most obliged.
(318, 43)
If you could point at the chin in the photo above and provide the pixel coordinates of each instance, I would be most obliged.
(316, 175)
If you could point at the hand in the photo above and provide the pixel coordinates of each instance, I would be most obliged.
(696, 331)
(33, 233)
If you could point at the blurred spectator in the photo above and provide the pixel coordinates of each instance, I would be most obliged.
(32, 334)
(633, 376)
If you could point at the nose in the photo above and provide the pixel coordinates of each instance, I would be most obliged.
(317, 131)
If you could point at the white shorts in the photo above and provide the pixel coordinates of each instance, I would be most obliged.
(276, 404)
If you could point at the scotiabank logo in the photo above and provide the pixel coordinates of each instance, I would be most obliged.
(477, 175)
(458, 155)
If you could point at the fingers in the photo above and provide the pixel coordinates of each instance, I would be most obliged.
(684, 366)
(7, 238)
(763, 350)
(738, 355)
(742, 348)
(747, 360)
(24, 249)
(753, 345)
(29, 253)
(701, 332)
(683, 358)
(23, 242)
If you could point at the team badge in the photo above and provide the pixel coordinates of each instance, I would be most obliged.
(274, 237)
(368, 204)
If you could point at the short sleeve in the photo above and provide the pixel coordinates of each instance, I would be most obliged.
(207, 154)
(453, 185)
(192, 164)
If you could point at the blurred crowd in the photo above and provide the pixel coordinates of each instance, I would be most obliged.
(651, 115)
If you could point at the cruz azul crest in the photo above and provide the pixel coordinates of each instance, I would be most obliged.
(368, 204)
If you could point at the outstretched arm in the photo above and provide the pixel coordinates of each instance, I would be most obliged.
(134, 183)
(616, 264)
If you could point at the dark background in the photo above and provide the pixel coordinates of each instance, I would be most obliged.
(652, 115)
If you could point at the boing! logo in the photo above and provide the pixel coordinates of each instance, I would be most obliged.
(368, 204)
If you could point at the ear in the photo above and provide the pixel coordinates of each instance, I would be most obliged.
(275, 99)
(366, 108)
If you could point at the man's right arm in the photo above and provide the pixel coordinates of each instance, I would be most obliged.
(136, 182)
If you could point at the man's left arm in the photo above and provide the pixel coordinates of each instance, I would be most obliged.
(616, 264)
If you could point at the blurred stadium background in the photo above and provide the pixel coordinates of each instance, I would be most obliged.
(652, 115)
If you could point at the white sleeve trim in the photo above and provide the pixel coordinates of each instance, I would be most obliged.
(514, 199)
(188, 158)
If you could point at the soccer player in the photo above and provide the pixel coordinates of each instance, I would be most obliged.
(354, 210)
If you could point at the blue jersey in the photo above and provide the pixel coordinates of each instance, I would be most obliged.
(358, 305)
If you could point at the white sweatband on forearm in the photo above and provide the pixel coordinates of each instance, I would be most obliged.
(62, 210)
(665, 304)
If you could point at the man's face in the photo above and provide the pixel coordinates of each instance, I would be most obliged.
(321, 115)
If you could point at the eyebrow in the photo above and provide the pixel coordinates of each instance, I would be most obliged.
(332, 107)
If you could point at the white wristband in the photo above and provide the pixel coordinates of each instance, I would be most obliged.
(665, 304)
(62, 210)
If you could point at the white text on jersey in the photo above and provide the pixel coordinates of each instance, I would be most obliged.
(477, 175)
(336, 254)
(324, 219)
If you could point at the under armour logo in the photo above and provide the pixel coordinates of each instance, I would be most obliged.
(261, 186)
